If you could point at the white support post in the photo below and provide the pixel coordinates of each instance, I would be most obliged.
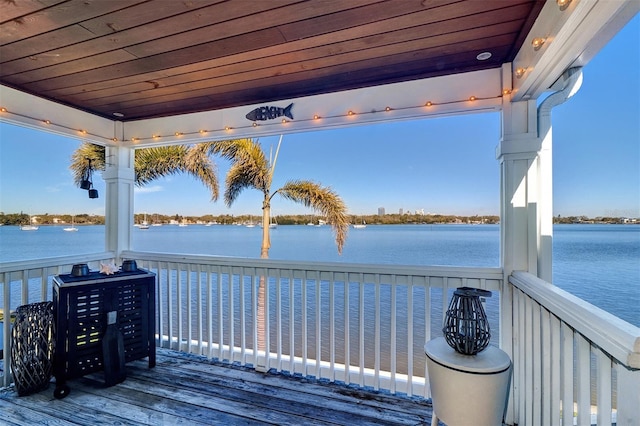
(518, 154)
(119, 176)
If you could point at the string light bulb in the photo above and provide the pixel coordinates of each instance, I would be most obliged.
(506, 91)
(3, 109)
(316, 117)
(563, 4)
(520, 72)
(46, 121)
(350, 112)
(472, 98)
(428, 104)
(537, 43)
(387, 109)
(178, 134)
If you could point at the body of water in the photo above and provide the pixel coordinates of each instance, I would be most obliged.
(598, 263)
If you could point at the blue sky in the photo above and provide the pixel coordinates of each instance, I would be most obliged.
(444, 165)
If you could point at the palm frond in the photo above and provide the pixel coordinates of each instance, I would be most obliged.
(80, 160)
(249, 166)
(153, 163)
(323, 200)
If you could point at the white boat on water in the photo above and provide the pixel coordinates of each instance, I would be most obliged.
(30, 226)
(360, 225)
(144, 224)
(71, 228)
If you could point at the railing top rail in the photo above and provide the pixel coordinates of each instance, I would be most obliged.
(615, 336)
(406, 270)
(48, 262)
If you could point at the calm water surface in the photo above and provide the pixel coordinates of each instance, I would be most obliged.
(599, 263)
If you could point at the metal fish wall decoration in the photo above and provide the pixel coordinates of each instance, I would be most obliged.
(269, 113)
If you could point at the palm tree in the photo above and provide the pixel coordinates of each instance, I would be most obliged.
(152, 163)
(250, 168)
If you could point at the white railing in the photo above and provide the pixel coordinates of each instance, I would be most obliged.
(30, 281)
(573, 363)
(563, 349)
(360, 324)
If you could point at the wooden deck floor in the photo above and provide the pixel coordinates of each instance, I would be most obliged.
(189, 390)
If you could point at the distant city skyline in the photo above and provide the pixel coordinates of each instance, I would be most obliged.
(442, 165)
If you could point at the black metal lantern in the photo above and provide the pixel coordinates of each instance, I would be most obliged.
(466, 328)
(86, 182)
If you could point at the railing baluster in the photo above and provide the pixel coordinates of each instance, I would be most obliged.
(292, 323)
(556, 377)
(305, 331)
(521, 353)
(170, 309)
(347, 330)
(536, 363)
(221, 311)
(376, 334)
(278, 320)
(318, 372)
(209, 315)
(243, 320)
(427, 331)
(583, 381)
(394, 333)
(361, 359)
(232, 310)
(603, 368)
(627, 391)
(410, 288)
(189, 316)
(332, 329)
(567, 374)
(267, 320)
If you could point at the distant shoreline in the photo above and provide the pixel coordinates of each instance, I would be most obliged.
(298, 219)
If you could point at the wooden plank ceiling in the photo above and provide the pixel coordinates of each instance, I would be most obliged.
(155, 58)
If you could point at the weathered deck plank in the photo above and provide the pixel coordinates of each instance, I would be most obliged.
(185, 389)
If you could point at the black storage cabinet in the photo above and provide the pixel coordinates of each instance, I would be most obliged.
(80, 307)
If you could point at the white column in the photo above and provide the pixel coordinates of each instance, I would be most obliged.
(517, 153)
(119, 176)
(520, 180)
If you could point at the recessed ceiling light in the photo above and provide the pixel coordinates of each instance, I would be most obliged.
(483, 56)
(118, 114)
